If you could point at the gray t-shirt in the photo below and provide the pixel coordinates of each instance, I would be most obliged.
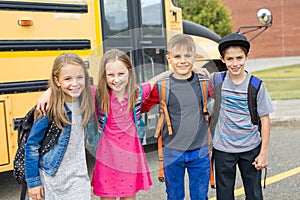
(71, 181)
(235, 131)
(186, 115)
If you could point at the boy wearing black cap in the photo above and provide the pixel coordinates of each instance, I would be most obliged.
(240, 122)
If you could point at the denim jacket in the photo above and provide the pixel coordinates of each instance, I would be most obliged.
(49, 162)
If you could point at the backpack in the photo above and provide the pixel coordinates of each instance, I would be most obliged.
(102, 117)
(163, 90)
(23, 133)
(253, 88)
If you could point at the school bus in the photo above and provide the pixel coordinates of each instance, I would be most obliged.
(34, 32)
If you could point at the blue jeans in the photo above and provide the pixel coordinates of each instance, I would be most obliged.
(197, 164)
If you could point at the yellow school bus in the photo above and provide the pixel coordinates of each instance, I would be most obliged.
(34, 32)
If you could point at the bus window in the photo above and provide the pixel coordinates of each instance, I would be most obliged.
(115, 17)
(152, 18)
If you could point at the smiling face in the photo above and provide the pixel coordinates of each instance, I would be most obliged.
(71, 80)
(181, 55)
(182, 63)
(234, 59)
(117, 76)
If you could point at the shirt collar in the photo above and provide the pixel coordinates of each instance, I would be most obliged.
(114, 97)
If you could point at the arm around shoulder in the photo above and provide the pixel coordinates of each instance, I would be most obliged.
(42, 102)
(165, 74)
(151, 101)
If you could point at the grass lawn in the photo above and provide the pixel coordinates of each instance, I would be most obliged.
(282, 82)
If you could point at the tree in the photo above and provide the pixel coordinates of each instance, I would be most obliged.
(210, 13)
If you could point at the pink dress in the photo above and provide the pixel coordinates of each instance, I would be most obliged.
(121, 167)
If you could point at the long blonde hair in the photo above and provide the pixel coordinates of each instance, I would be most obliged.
(57, 111)
(104, 90)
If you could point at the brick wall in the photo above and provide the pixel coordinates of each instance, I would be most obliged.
(282, 38)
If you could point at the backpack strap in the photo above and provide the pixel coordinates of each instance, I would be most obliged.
(164, 115)
(23, 192)
(253, 89)
(219, 78)
(101, 118)
(139, 123)
(137, 109)
(50, 139)
(203, 82)
(163, 89)
(211, 168)
(217, 81)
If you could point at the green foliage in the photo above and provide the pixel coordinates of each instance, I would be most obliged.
(210, 13)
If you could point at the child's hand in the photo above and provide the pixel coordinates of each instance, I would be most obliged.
(36, 193)
(165, 74)
(42, 102)
(202, 71)
(260, 162)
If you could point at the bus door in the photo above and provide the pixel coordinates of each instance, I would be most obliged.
(138, 28)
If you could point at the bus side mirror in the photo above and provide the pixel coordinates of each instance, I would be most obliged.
(264, 16)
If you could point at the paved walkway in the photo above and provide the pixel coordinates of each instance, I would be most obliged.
(267, 63)
(287, 112)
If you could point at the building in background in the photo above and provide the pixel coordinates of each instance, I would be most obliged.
(282, 39)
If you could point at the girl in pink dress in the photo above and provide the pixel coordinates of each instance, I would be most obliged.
(121, 168)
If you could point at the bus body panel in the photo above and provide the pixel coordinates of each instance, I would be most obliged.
(27, 54)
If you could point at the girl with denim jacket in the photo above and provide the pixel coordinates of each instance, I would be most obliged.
(62, 172)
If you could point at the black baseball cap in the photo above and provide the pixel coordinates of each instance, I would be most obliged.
(233, 39)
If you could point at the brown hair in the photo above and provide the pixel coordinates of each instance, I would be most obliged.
(181, 41)
(57, 111)
(243, 49)
(104, 91)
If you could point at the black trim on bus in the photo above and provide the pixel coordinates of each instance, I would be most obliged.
(43, 7)
(192, 28)
(44, 45)
(22, 87)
